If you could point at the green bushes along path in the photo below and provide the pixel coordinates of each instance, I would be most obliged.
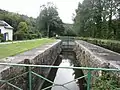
(113, 45)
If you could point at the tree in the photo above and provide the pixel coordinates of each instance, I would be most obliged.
(98, 19)
(48, 21)
(22, 31)
(14, 19)
(69, 30)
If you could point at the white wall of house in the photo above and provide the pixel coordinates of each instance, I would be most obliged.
(10, 34)
(2, 29)
(9, 31)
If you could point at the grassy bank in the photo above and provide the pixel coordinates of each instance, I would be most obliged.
(16, 48)
(113, 45)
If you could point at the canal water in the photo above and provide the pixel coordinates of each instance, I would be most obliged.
(63, 75)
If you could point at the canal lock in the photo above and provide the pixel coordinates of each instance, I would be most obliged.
(63, 75)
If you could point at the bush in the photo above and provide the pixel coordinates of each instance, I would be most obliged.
(109, 44)
(34, 36)
(2, 38)
(108, 81)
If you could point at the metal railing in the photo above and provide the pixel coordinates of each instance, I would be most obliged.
(67, 42)
(30, 73)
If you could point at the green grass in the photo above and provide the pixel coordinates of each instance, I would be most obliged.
(19, 47)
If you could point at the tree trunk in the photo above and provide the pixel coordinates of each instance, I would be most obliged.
(110, 21)
(48, 31)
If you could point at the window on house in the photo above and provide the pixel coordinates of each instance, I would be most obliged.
(5, 24)
(0, 31)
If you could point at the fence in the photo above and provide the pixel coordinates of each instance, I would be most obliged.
(30, 73)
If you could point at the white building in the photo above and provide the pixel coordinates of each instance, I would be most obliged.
(6, 30)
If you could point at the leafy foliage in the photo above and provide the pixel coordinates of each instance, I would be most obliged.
(113, 45)
(48, 22)
(22, 31)
(69, 30)
(106, 82)
(1, 37)
(98, 19)
(14, 20)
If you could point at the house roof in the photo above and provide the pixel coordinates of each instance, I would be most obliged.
(6, 25)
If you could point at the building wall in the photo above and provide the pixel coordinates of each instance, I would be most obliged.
(2, 29)
(10, 34)
(9, 31)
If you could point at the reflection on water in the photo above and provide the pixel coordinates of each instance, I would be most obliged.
(67, 75)
(64, 76)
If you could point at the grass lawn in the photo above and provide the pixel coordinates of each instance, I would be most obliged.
(16, 48)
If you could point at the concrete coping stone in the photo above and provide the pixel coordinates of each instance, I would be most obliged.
(101, 54)
(31, 54)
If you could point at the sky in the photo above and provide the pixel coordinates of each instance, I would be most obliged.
(31, 8)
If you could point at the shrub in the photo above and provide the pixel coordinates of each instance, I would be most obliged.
(34, 36)
(109, 44)
(1, 38)
(108, 81)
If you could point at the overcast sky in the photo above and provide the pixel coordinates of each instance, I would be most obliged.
(32, 7)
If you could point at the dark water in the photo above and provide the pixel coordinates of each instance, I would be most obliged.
(62, 75)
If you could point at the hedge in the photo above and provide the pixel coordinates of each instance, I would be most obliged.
(113, 45)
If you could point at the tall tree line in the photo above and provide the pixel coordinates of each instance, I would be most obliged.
(98, 19)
